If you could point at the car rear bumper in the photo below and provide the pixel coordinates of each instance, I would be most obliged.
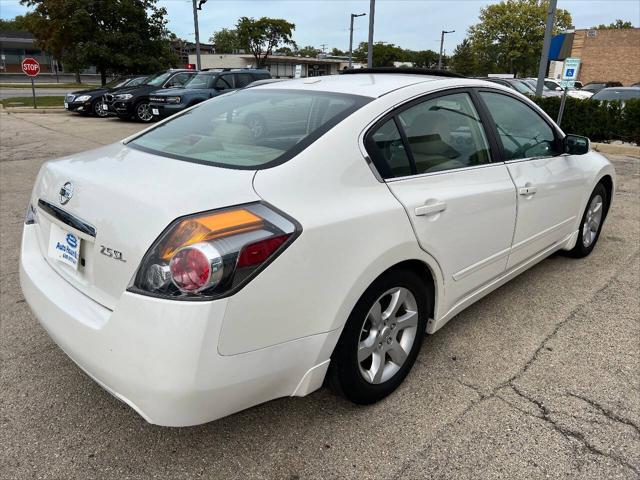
(160, 356)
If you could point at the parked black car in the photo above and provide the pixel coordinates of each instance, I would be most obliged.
(595, 87)
(203, 86)
(89, 102)
(617, 94)
(134, 102)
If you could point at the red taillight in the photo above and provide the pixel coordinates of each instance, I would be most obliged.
(190, 269)
(258, 252)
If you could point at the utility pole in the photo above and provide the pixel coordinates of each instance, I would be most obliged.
(353, 15)
(544, 58)
(372, 14)
(195, 23)
(324, 46)
(442, 34)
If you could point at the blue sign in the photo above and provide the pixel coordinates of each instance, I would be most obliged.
(570, 72)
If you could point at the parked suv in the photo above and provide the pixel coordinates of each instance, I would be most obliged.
(206, 84)
(134, 102)
(89, 102)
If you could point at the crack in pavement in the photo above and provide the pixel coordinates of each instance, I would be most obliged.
(544, 411)
(611, 415)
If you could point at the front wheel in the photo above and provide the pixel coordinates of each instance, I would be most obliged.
(591, 224)
(382, 338)
(97, 110)
(143, 112)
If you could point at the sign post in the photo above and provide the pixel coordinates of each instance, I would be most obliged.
(570, 71)
(31, 68)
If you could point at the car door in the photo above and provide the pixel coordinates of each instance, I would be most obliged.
(437, 161)
(549, 184)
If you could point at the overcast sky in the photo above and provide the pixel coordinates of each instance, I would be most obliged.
(414, 24)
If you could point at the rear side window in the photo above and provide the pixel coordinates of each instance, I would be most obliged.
(522, 131)
(444, 133)
(249, 128)
(389, 151)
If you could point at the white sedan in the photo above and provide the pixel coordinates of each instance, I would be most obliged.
(196, 269)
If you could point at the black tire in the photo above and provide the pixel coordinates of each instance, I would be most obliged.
(582, 248)
(345, 373)
(137, 112)
(96, 109)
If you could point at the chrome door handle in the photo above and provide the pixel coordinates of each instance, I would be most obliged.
(527, 190)
(431, 208)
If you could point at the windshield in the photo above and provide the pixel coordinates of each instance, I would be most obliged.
(158, 79)
(201, 80)
(249, 129)
(136, 81)
(533, 84)
(593, 87)
(616, 94)
(522, 87)
(117, 82)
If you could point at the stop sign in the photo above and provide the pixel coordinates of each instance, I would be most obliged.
(30, 67)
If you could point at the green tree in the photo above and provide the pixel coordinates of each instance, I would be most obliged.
(226, 41)
(618, 24)
(284, 51)
(510, 34)
(261, 36)
(17, 23)
(113, 35)
(308, 51)
(336, 52)
(421, 58)
(463, 60)
(384, 54)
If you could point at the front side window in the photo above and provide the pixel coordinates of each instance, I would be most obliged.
(251, 128)
(224, 82)
(445, 133)
(243, 79)
(180, 79)
(524, 134)
(201, 80)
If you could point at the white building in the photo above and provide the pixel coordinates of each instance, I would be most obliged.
(280, 66)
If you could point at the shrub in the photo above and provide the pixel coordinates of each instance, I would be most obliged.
(600, 121)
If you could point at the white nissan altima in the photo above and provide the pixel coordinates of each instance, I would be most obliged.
(277, 236)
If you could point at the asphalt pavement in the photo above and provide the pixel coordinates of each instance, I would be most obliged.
(540, 379)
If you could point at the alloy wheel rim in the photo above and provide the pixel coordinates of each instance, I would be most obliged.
(592, 221)
(387, 335)
(144, 112)
(99, 111)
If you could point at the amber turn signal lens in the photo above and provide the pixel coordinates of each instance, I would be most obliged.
(208, 227)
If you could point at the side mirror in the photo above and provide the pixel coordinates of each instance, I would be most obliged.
(576, 145)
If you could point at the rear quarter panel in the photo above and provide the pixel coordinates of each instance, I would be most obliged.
(353, 230)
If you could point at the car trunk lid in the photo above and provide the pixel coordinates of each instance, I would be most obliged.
(128, 198)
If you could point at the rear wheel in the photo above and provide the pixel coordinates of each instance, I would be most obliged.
(382, 338)
(591, 224)
(142, 111)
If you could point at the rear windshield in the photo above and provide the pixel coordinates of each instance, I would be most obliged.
(249, 129)
(615, 94)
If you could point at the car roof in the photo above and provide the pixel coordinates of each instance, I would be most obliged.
(369, 84)
(621, 88)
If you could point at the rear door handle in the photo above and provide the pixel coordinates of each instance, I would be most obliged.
(431, 208)
(530, 190)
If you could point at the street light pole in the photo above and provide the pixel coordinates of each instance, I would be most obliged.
(353, 15)
(441, 46)
(372, 14)
(197, 7)
(546, 45)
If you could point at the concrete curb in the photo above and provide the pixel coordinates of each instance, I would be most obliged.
(32, 110)
(617, 149)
